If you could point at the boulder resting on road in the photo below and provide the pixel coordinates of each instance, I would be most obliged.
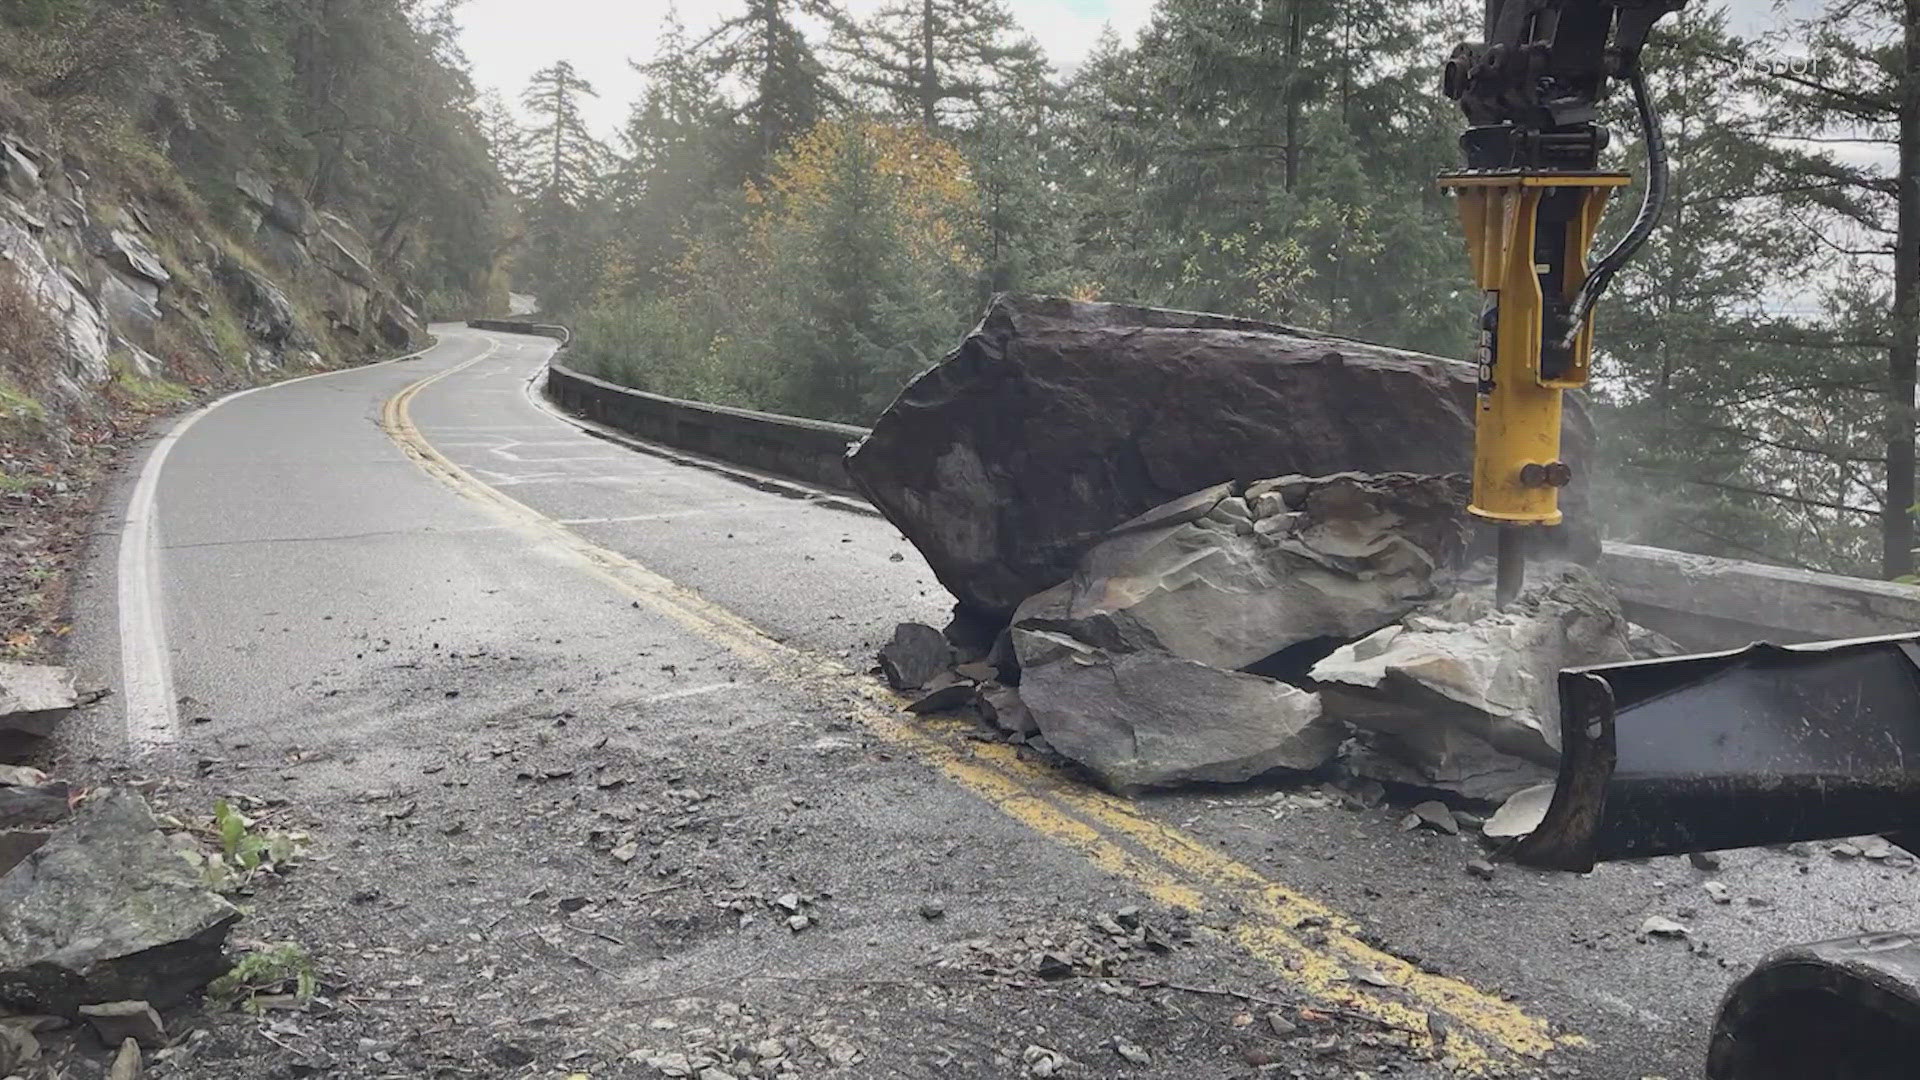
(1056, 420)
(1229, 576)
(107, 910)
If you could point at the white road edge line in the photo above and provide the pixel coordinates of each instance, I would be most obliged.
(146, 672)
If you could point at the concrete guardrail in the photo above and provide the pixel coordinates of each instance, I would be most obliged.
(1700, 602)
(516, 326)
(812, 451)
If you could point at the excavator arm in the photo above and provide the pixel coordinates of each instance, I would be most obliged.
(1530, 200)
(1764, 745)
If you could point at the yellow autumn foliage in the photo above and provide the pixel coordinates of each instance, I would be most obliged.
(930, 184)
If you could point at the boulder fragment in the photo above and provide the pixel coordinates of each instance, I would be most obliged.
(1002, 707)
(127, 1064)
(34, 698)
(108, 911)
(115, 1021)
(1056, 420)
(31, 806)
(1152, 720)
(916, 656)
(1522, 813)
(1230, 576)
(1466, 696)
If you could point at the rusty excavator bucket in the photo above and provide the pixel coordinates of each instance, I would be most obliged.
(1763, 745)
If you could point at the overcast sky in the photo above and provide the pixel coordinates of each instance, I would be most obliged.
(508, 40)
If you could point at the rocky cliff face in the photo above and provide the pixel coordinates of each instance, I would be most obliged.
(137, 281)
(126, 288)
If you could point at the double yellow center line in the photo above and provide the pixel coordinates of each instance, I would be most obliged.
(1474, 1032)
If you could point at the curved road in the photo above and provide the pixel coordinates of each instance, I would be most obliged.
(595, 777)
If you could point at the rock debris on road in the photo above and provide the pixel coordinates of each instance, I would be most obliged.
(552, 833)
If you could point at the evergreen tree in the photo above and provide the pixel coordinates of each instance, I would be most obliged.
(565, 160)
(943, 62)
(788, 88)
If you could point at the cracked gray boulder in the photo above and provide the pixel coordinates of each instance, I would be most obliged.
(1149, 719)
(1056, 420)
(107, 910)
(1229, 576)
(1464, 697)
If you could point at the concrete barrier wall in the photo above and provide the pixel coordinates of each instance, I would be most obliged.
(811, 451)
(516, 326)
(1707, 603)
(1702, 603)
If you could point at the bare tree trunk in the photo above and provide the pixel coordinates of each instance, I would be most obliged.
(929, 80)
(1897, 532)
(1293, 94)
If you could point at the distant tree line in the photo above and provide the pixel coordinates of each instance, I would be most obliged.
(805, 208)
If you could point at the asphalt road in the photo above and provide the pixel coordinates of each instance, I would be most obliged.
(475, 650)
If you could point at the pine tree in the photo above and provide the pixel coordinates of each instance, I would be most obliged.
(788, 88)
(943, 62)
(565, 164)
(564, 157)
(675, 140)
(506, 140)
(1858, 88)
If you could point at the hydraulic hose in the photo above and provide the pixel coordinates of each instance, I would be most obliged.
(1652, 203)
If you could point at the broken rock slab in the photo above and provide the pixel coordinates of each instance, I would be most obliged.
(34, 698)
(916, 657)
(1231, 575)
(108, 911)
(1466, 697)
(1056, 420)
(1154, 720)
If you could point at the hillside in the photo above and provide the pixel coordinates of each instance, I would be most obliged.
(197, 195)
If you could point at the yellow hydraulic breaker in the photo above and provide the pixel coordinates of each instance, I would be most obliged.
(1528, 234)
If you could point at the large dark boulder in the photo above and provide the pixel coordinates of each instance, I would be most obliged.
(1056, 420)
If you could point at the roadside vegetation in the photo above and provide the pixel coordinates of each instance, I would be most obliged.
(756, 236)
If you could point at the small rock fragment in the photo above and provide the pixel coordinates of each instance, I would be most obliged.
(1845, 851)
(1043, 1062)
(1131, 1052)
(1661, 926)
(115, 1021)
(34, 697)
(797, 923)
(1365, 974)
(932, 911)
(1704, 860)
(916, 654)
(943, 699)
(1718, 890)
(1433, 815)
(1481, 869)
(18, 1047)
(127, 1064)
(1521, 813)
(1053, 966)
(1876, 849)
(1282, 1026)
